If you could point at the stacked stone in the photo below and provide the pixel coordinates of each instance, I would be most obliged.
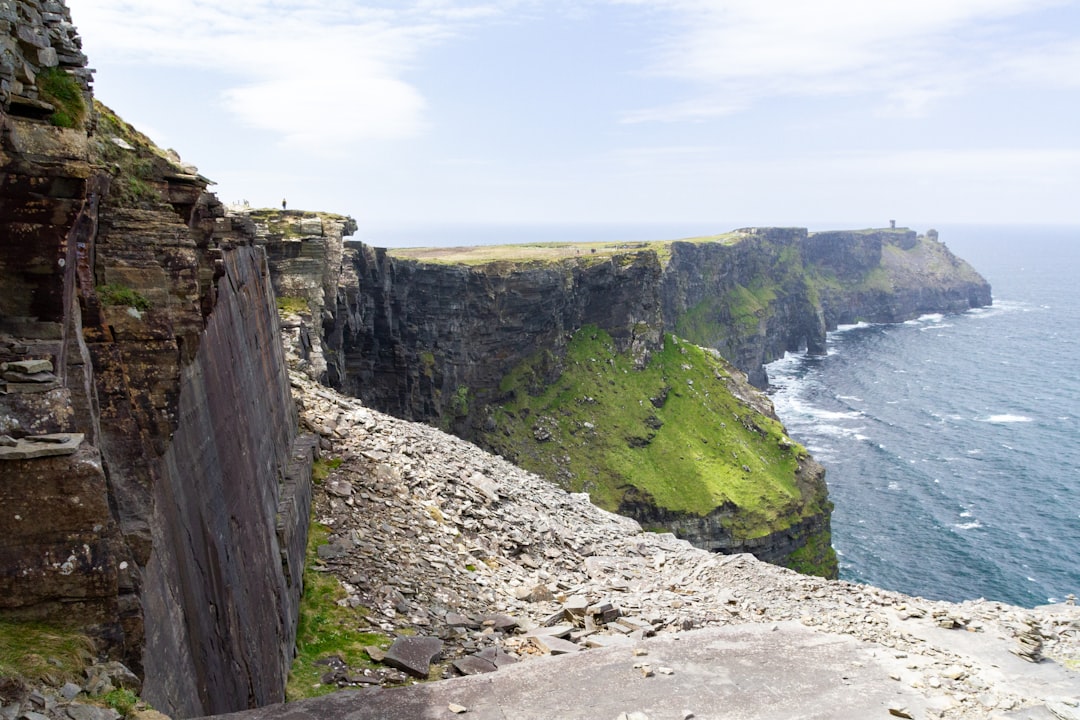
(36, 35)
(28, 376)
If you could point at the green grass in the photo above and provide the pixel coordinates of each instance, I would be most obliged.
(538, 254)
(326, 628)
(814, 556)
(290, 304)
(321, 469)
(135, 171)
(116, 294)
(60, 89)
(121, 700)
(674, 431)
(38, 652)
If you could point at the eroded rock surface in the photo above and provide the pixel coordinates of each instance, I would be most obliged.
(443, 540)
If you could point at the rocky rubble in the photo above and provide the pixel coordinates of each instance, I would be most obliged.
(442, 541)
(71, 701)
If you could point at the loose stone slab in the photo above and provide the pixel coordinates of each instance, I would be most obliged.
(413, 654)
(497, 656)
(474, 665)
(559, 631)
(40, 446)
(28, 367)
(556, 646)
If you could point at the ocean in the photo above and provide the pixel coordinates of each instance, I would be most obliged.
(952, 443)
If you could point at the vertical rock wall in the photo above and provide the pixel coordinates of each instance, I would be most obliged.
(174, 527)
(417, 340)
(220, 588)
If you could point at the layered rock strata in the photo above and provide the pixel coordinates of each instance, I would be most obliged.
(139, 326)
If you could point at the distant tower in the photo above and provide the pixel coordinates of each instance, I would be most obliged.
(892, 224)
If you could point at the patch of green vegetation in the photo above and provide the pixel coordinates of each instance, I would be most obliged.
(62, 90)
(702, 323)
(291, 304)
(135, 162)
(673, 431)
(459, 404)
(815, 557)
(321, 469)
(326, 628)
(749, 305)
(122, 701)
(116, 294)
(37, 652)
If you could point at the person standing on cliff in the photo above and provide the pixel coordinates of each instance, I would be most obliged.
(283, 203)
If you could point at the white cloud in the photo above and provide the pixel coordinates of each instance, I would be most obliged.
(321, 73)
(909, 52)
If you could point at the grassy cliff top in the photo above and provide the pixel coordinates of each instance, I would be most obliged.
(547, 252)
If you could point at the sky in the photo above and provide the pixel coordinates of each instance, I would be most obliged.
(691, 113)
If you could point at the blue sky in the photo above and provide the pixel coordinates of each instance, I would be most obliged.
(720, 113)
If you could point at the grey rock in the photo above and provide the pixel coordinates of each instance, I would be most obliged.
(414, 655)
(497, 656)
(69, 691)
(40, 446)
(1063, 710)
(474, 665)
(29, 367)
(78, 711)
(555, 646)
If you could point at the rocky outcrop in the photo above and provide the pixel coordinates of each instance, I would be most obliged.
(890, 276)
(749, 297)
(138, 326)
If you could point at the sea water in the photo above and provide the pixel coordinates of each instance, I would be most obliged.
(952, 443)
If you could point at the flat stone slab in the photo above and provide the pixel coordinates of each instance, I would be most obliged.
(40, 446)
(413, 654)
(474, 665)
(497, 656)
(558, 631)
(748, 672)
(29, 367)
(555, 646)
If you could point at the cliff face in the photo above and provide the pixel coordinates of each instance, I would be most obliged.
(460, 345)
(413, 338)
(160, 492)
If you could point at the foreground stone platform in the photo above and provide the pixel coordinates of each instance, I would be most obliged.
(749, 672)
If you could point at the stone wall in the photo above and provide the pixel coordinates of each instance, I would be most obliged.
(35, 36)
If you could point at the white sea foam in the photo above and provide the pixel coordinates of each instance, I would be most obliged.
(1006, 418)
(968, 525)
(846, 328)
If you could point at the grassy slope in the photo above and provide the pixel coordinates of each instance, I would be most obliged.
(542, 253)
(700, 449)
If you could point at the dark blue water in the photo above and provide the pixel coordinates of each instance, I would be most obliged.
(953, 443)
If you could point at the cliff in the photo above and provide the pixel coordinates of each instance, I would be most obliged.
(478, 341)
(158, 490)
